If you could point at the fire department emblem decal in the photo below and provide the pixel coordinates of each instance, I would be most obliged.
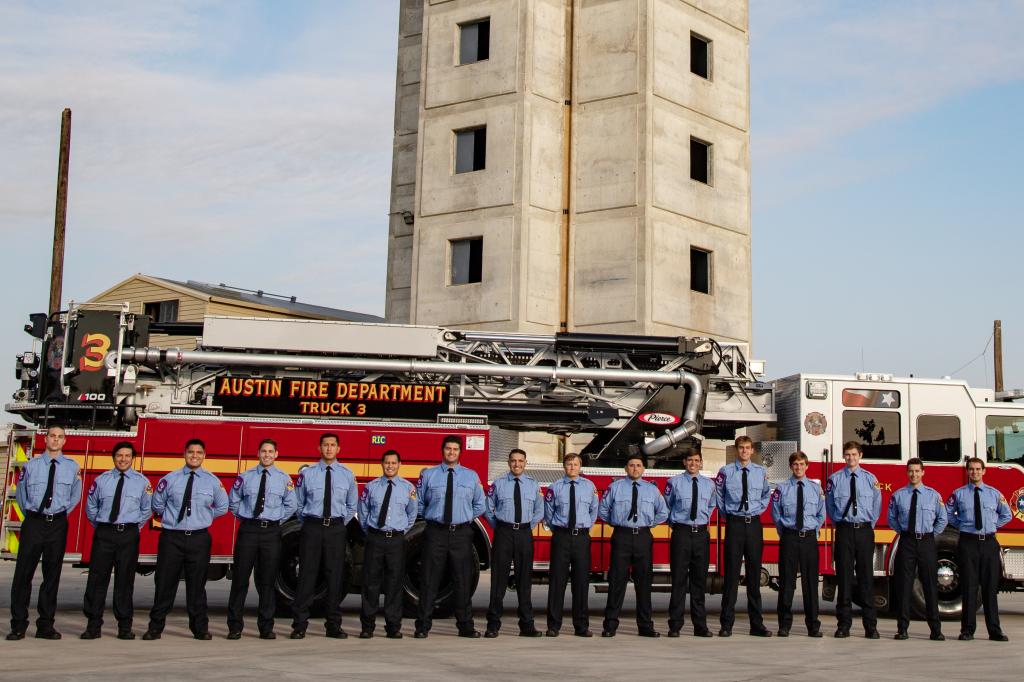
(815, 423)
(1017, 504)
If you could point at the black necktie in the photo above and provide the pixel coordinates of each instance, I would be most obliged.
(519, 503)
(449, 496)
(186, 500)
(744, 504)
(572, 504)
(632, 504)
(912, 517)
(48, 495)
(853, 493)
(800, 505)
(328, 489)
(383, 516)
(693, 501)
(115, 508)
(261, 496)
(977, 508)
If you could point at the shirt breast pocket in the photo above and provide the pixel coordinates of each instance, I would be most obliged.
(202, 498)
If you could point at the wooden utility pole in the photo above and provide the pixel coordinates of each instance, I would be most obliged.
(61, 213)
(997, 342)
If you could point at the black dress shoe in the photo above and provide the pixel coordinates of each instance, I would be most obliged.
(583, 633)
(871, 634)
(336, 633)
(394, 635)
(150, 635)
(366, 634)
(702, 632)
(14, 636)
(297, 634)
(234, 635)
(47, 634)
(649, 633)
(937, 637)
(551, 633)
(420, 634)
(91, 634)
(902, 634)
(999, 637)
(783, 632)
(814, 633)
(725, 632)
(842, 633)
(470, 634)
(203, 636)
(491, 634)
(607, 633)
(673, 633)
(270, 634)
(531, 633)
(965, 637)
(126, 634)
(760, 632)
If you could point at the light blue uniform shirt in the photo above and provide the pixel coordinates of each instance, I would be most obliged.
(402, 507)
(501, 500)
(995, 511)
(310, 491)
(784, 504)
(136, 498)
(556, 503)
(869, 497)
(730, 489)
(931, 514)
(617, 503)
(467, 494)
(209, 501)
(67, 485)
(679, 497)
(279, 500)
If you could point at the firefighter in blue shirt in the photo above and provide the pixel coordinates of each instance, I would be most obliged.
(118, 506)
(50, 487)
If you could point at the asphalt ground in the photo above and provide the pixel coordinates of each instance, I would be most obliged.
(443, 656)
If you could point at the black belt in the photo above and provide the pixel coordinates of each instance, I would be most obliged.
(853, 524)
(978, 536)
(386, 533)
(118, 527)
(46, 517)
(800, 533)
(450, 527)
(630, 530)
(572, 531)
(197, 531)
(259, 523)
(689, 528)
(744, 519)
(324, 521)
(514, 526)
(907, 535)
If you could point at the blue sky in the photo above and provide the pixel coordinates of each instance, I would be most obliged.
(884, 140)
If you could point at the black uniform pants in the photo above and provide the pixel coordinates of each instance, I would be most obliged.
(743, 542)
(917, 558)
(114, 549)
(690, 557)
(630, 552)
(979, 562)
(44, 541)
(383, 566)
(321, 549)
(180, 552)
(855, 554)
(570, 557)
(443, 548)
(256, 549)
(798, 555)
(511, 547)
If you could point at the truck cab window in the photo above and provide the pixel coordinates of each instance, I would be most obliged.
(938, 438)
(1004, 439)
(877, 432)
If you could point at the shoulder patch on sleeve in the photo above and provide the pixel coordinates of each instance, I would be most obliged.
(829, 485)
(238, 482)
(668, 488)
(92, 488)
(78, 474)
(490, 490)
(720, 478)
(149, 488)
(364, 494)
(777, 493)
(298, 481)
(549, 494)
(162, 485)
(290, 486)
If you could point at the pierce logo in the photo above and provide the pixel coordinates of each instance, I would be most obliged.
(659, 418)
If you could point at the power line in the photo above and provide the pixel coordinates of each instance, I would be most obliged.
(976, 357)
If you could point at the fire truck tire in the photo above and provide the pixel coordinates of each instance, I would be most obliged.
(288, 572)
(950, 585)
(443, 605)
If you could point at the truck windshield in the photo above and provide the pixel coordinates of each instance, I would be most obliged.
(1004, 439)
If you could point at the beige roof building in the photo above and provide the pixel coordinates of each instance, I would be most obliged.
(166, 300)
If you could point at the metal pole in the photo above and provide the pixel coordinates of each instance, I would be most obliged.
(61, 213)
(997, 342)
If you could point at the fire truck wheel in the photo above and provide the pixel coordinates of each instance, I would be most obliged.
(950, 585)
(443, 605)
(288, 575)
